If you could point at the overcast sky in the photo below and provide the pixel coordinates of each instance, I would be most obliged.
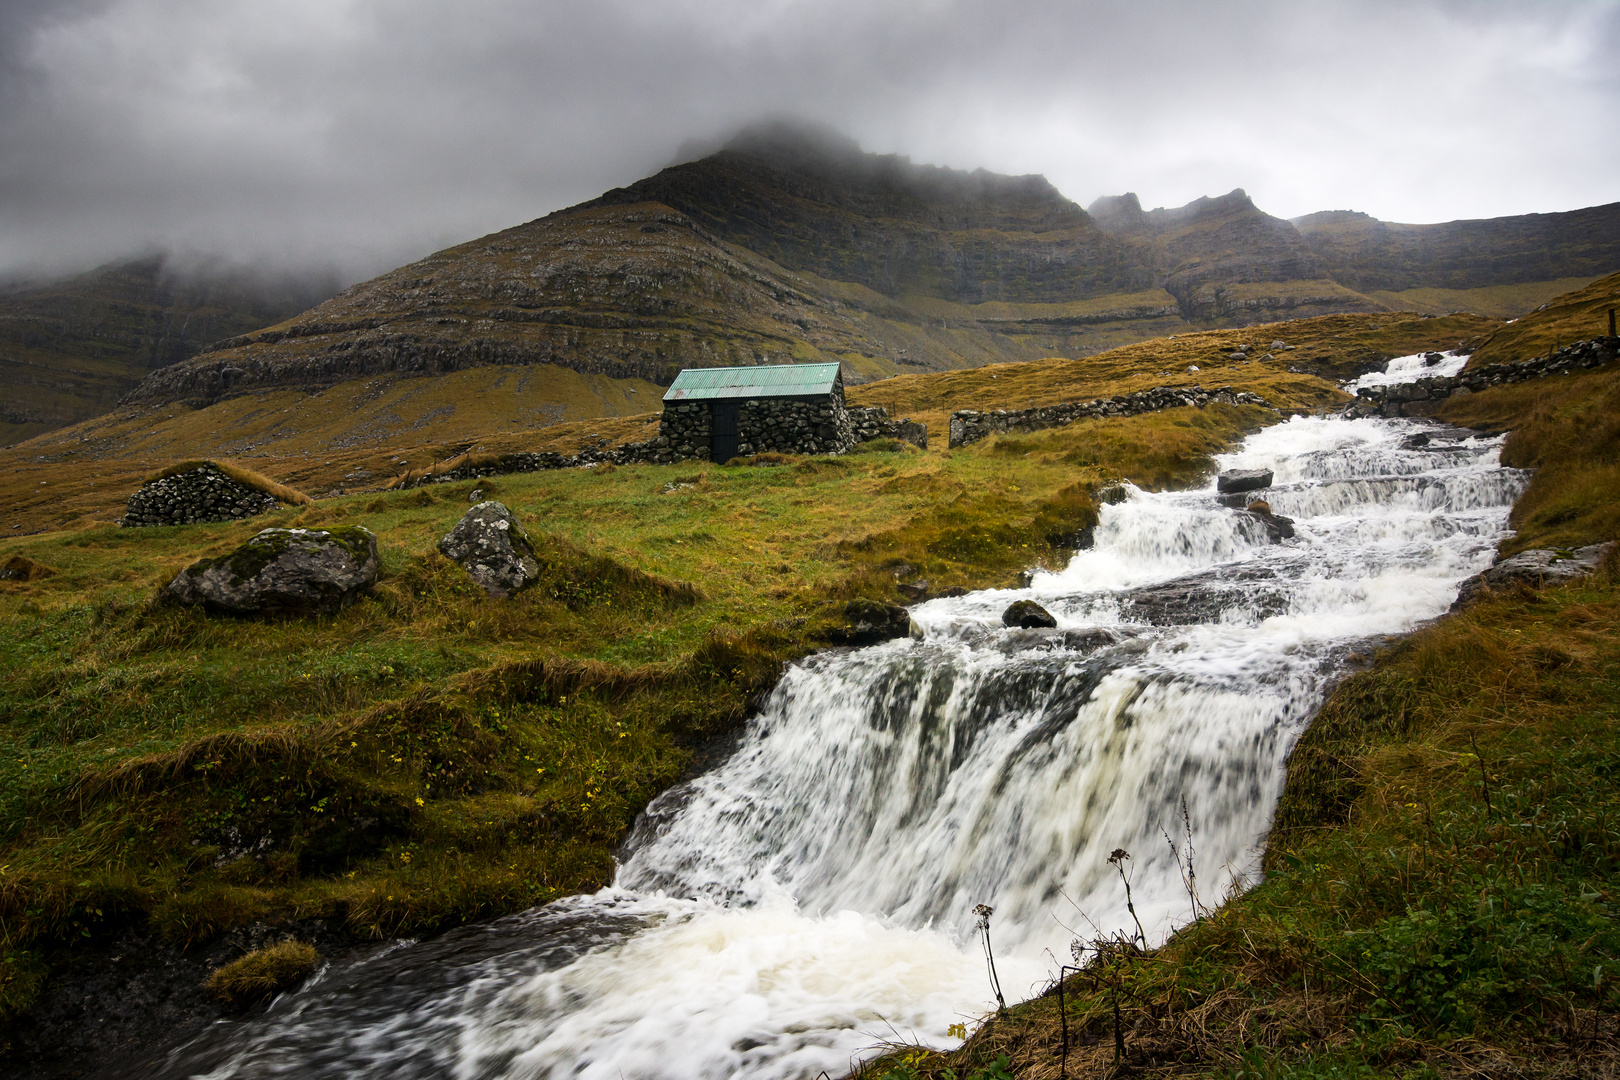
(365, 133)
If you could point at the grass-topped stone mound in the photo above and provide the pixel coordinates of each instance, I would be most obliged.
(193, 491)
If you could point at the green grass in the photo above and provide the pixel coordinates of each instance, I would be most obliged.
(429, 755)
(261, 973)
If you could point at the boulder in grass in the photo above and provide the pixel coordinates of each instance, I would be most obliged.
(492, 546)
(1027, 615)
(1233, 480)
(283, 572)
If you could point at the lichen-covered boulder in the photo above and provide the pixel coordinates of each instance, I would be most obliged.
(283, 572)
(490, 544)
(1535, 568)
(1028, 615)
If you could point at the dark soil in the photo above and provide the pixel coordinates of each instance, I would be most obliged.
(117, 1010)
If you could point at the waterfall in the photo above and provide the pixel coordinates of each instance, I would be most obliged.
(813, 895)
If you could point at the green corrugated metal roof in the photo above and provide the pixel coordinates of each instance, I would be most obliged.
(776, 380)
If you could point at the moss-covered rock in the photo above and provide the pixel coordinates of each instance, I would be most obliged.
(283, 572)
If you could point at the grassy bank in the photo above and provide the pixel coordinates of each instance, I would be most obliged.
(430, 756)
(1443, 883)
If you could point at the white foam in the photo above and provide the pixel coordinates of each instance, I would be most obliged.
(1405, 369)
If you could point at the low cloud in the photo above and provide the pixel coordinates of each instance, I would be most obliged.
(362, 133)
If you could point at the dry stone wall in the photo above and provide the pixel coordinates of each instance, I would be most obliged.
(873, 422)
(1422, 396)
(201, 494)
(969, 426)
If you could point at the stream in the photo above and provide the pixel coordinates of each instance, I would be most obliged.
(813, 896)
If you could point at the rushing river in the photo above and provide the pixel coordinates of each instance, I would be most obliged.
(814, 895)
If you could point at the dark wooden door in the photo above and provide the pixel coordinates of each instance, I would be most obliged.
(723, 430)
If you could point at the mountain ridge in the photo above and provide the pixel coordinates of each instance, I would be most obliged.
(790, 244)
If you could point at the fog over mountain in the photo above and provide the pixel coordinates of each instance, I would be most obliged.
(361, 134)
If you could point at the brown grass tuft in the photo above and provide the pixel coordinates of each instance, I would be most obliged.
(22, 568)
(261, 973)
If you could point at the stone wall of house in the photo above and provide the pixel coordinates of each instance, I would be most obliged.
(968, 426)
(1421, 397)
(684, 432)
(794, 426)
(201, 494)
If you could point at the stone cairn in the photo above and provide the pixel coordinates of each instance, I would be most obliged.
(968, 426)
(1417, 398)
(204, 493)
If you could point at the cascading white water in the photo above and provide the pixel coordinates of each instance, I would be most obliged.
(1409, 368)
(813, 895)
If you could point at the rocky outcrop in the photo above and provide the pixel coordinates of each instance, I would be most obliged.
(867, 622)
(492, 547)
(205, 493)
(1235, 480)
(1027, 615)
(1421, 397)
(968, 425)
(1535, 568)
(1277, 527)
(283, 572)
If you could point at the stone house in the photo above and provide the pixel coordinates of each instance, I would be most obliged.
(721, 413)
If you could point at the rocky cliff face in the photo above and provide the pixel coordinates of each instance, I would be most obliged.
(71, 348)
(1367, 254)
(1225, 260)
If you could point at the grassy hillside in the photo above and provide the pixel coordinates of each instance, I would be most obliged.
(70, 349)
(1573, 316)
(430, 756)
(1496, 301)
(362, 432)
